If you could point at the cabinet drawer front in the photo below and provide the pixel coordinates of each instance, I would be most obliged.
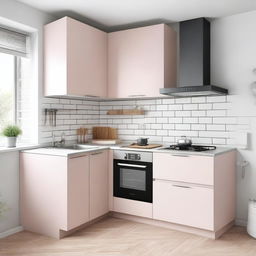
(181, 204)
(185, 168)
(132, 207)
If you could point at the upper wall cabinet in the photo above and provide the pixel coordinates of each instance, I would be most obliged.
(75, 59)
(140, 61)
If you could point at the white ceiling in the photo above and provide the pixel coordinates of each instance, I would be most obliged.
(114, 13)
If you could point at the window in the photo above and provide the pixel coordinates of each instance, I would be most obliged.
(15, 89)
(7, 89)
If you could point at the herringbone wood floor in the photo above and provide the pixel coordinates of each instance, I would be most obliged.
(116, 237)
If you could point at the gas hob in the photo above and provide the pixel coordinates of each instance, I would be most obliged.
(197, 148)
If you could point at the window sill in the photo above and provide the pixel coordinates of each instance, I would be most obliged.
(19, 147)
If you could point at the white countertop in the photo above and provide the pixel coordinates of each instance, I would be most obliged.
(72, 152)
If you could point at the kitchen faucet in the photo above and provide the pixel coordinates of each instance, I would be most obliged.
(58, 143)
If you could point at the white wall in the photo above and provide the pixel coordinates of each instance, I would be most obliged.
(233, 52)
(23, 17)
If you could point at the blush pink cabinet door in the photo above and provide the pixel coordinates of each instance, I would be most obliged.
(184, 168)
(141, 60)
(78, 191)
(183, 204)
(75, 59)
(99, 190)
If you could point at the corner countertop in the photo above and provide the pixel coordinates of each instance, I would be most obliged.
(75, 152)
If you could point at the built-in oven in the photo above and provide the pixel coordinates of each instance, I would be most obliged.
(133, 175)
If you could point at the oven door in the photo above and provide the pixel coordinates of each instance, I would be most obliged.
(133, 180)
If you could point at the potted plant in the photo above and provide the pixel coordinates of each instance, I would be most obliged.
(11, 132)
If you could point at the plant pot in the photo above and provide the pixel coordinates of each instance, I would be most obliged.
(11, 142)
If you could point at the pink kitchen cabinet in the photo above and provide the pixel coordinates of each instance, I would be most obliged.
(195, 190)
(185, 168)
(183, 204)
(141, 61)
(78, 200)
(54, 193)
(75, 59)
(99, 189)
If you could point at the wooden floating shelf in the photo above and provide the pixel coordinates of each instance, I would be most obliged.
(126, 112)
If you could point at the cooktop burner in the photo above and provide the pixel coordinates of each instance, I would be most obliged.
(198, 148)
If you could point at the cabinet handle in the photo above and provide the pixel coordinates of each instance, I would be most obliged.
(181, 155)
(84, 155)
(180, 186)
(91, 96)
(132, 165)
(97, 153)
(138, 95)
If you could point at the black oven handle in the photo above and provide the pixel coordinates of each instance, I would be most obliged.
(133, 165)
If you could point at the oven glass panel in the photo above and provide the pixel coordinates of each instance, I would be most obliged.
(133, 179)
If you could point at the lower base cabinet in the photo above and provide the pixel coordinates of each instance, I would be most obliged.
(78, 201)
(61, 193)
(183, 204)
(98, 184)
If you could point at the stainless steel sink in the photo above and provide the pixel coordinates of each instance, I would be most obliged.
(76, 147)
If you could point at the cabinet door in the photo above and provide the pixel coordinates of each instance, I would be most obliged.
(75, 59)
(87, 60)
(98, 184)
(78, 191)
(183, 204)
(136, 61)
(185, 168)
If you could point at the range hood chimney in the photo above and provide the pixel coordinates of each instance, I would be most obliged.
(194, 61)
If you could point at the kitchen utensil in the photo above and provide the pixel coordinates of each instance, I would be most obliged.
(142, 141)
(55, 116)
(45, 116)
(184, 142)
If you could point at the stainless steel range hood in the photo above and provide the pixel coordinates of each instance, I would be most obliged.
(194, 62)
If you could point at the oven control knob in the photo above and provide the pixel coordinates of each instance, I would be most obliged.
(139, 158)
(125, 157)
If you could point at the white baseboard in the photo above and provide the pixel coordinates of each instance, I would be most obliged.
(241, 222)
(11, 231)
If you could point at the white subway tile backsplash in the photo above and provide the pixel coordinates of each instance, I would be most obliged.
(216, 99)
(190, 107)
(198, 127)
(198, 100)
(168, 101)
(182, 113)
(213, 134)
(182, 127)
(190, 120)
(168, 126)
(198, 113)
(161, 133)
(216, 127)
(161, 107)
(204, 119)
(205, 106)
(162, 120)
(175, 120)
(175, 107)
(156, 126)
(215, 113)
(224, 120)
(183, 100)
(168, 113)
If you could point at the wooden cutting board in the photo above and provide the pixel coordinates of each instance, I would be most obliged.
(105, 142)
(104, 133)
(149, 146)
